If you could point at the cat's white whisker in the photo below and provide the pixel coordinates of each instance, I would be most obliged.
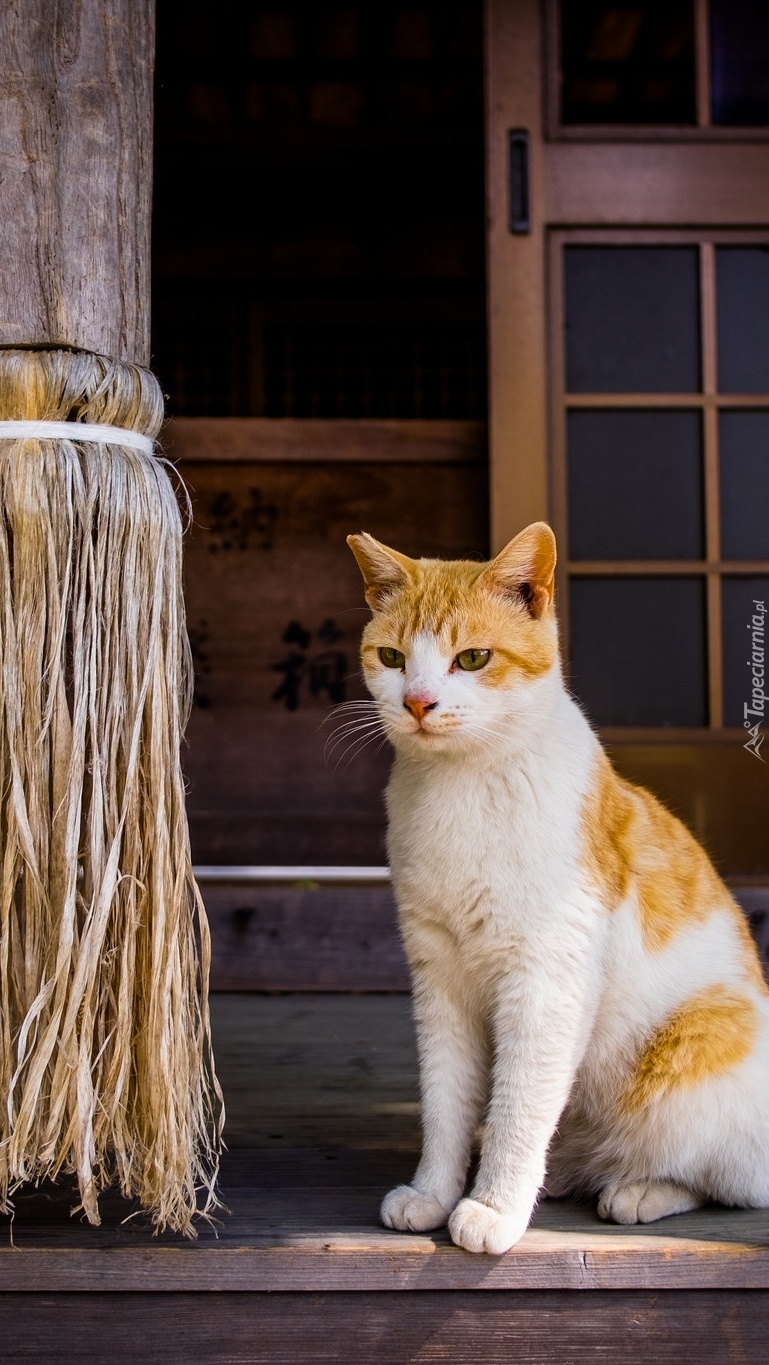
(348, 732)
(350, 708)
(351, 727)
(357, 747)
(370, 727)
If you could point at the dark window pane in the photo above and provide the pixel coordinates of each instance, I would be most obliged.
(632, 319)
(627, 63)
(739, 62)
(744, 482)
(638, 650)
(744, 604)
(742, 293)
(635, 485)
(362, 123)
(199, 353)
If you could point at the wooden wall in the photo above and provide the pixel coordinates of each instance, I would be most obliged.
(275, 612)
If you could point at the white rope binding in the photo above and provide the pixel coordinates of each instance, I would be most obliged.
(76, 431)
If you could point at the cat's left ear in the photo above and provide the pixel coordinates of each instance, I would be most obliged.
(526, 568)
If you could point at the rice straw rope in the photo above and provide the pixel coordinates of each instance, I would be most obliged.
(106, 1064)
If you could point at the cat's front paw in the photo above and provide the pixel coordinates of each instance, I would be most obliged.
(477, 1227)
(406, 1210)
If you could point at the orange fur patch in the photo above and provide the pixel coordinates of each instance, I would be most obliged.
(707, 1036)
(606, 819)
(633, 842)
(677, 883)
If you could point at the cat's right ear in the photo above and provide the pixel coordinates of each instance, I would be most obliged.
(384, 571)
(526, 568)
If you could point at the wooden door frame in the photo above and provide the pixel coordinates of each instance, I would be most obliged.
(665, 181)
(516, 272)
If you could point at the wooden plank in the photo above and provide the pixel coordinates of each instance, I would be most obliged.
(323, 1118)
(660, 183)
(712, 508)
(233, 440)
(635, 400)
(300, 939)
(343, 1262)
(76, 152)
(702, 61)
(559, 464)
(650, 568)
(328, 1241)
(641, 235)
(542, 1327)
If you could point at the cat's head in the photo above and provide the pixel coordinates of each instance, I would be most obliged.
(456, 652)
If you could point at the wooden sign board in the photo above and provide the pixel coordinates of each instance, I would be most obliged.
(275, 611)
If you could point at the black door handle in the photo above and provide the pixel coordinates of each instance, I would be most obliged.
(519, 220)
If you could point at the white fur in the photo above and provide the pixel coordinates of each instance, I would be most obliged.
(530, 999)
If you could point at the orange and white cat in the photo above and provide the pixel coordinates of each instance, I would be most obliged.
(583, 983)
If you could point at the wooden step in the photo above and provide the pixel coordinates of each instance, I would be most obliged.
(322, 1118)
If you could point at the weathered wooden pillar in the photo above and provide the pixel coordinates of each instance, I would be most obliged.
(76, 164)
(105, 1059)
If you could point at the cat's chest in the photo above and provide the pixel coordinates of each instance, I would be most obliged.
(480, 847)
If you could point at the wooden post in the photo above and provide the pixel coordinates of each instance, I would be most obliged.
(105, 1060)
(76, 167)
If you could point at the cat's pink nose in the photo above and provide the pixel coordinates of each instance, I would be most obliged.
(419, 705)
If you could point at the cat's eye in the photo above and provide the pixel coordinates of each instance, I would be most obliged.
(473, 659)
(392, 658)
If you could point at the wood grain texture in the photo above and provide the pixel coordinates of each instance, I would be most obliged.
(518, 381)
(665, 184)
(232, 440)
(304, 938)
(75, 166)
(545, 1328)
(323, 1118)
(275, 609)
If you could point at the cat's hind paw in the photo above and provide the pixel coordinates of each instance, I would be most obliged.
(477, 1227)
(406, 1210)
(645, 1201)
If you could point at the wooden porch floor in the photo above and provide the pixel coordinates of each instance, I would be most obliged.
(322, 1118)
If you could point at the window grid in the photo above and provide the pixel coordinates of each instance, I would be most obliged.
(710, 403)
(702, 129)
